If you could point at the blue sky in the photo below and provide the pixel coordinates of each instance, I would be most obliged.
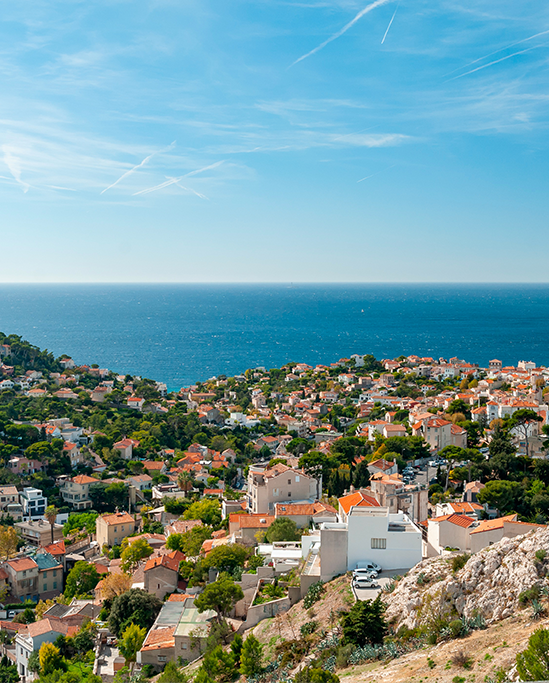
(274, 140)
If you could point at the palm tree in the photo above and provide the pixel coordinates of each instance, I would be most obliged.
(51, 516)
(185, 481)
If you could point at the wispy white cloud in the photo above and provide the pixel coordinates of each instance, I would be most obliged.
(14, 166)
(339, 33)
(138, 166)
(173, 181)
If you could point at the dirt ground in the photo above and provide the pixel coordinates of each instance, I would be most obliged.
(337, 597)
(489, 651)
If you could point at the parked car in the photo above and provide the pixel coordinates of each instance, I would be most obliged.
(11, 614)
(365, 583)
(369, 566)
(364, 574)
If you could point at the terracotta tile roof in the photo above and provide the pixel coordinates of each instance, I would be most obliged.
(118, 518)
(159, 638)
(179, 597)
(251, 521)
(84, 479)
(465, 507)
(491, 524)
(170, 561)
(285, 509)
(357, 499)
(181, 526)
(24, 564)
(382, 464)
(460, 520)
(11, 626)
(47, 625)
(57, 548)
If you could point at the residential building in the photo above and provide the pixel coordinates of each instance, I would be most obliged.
(76, 491)
(24, 466)
(247, 528)
(382, 467)
(142, 482)
(34, 504)
(38, 532)
(280, 484)
(9, 502)
(72, 451)
(50, 576)
(112, 529)
(161, 573)
(125, 448)
(180, 631)
(305, 514)
(22, 578)
(46, 630)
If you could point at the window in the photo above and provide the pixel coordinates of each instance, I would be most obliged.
(289, 482)
(45, 587)
(379, 543)
(289, 494)
(183, 646)
(161, 658)
(54, 573)
(297, 479)
(55, 585)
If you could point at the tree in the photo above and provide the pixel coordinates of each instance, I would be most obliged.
(51, 516)
(82, 579)
(172, 674)
(221, 596)
(251, 656)
(131, 642)
(134, 553)
(365, 623)
(191, 541)
(207, 510)
(361, 475)
(522, 421)
(311, 674)
(236, 648)
(134, 606)
(503, 495)
(42, 607)
(533, 663)
(185, 481)
(226, 558)
(317, 464)
(50, 658)
(282, 529)
(114, 585)
(8, 671)
(8, 541)
(500, 443)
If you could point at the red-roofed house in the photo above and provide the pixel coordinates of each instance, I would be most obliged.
(76, 491)
(448, 531)
(383, 467)
(278, 484)
(44, 631)
(305, 513)
(161, 573)
(357, 499)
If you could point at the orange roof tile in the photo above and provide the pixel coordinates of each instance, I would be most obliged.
(357, 499)
(159, 638)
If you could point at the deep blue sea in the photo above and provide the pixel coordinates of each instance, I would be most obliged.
(179, 334)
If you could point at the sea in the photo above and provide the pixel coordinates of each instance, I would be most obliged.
(183, 333)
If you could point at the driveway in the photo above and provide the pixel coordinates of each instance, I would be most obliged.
(383, 579)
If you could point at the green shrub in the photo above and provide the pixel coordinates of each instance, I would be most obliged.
(530, 594)
(315, 592)
(343, 655)
(455, 627)
(541, 554)
(308, 628)
(459, 561)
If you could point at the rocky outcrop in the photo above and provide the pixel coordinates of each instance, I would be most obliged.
(489, 584)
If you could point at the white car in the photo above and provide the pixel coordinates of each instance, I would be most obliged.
(364, 583)
(368, 566)
(364, 574)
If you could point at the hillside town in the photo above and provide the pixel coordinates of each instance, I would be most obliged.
(147, 531)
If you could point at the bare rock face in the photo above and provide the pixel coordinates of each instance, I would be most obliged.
(489, 584)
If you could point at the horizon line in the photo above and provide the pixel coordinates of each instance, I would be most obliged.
(286, 283)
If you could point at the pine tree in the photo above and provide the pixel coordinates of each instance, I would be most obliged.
(250, 657)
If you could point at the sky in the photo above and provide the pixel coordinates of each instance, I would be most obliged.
(274, 141)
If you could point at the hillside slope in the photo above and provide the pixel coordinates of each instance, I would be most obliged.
(489, 584)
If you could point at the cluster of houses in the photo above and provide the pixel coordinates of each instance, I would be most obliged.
(389, 522)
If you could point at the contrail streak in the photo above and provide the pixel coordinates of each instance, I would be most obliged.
(172, 181)
(376, 173)
(366, 10)
(507, 47)
(496, 61)
(392, 19)
(14, 167)
(132, 170)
